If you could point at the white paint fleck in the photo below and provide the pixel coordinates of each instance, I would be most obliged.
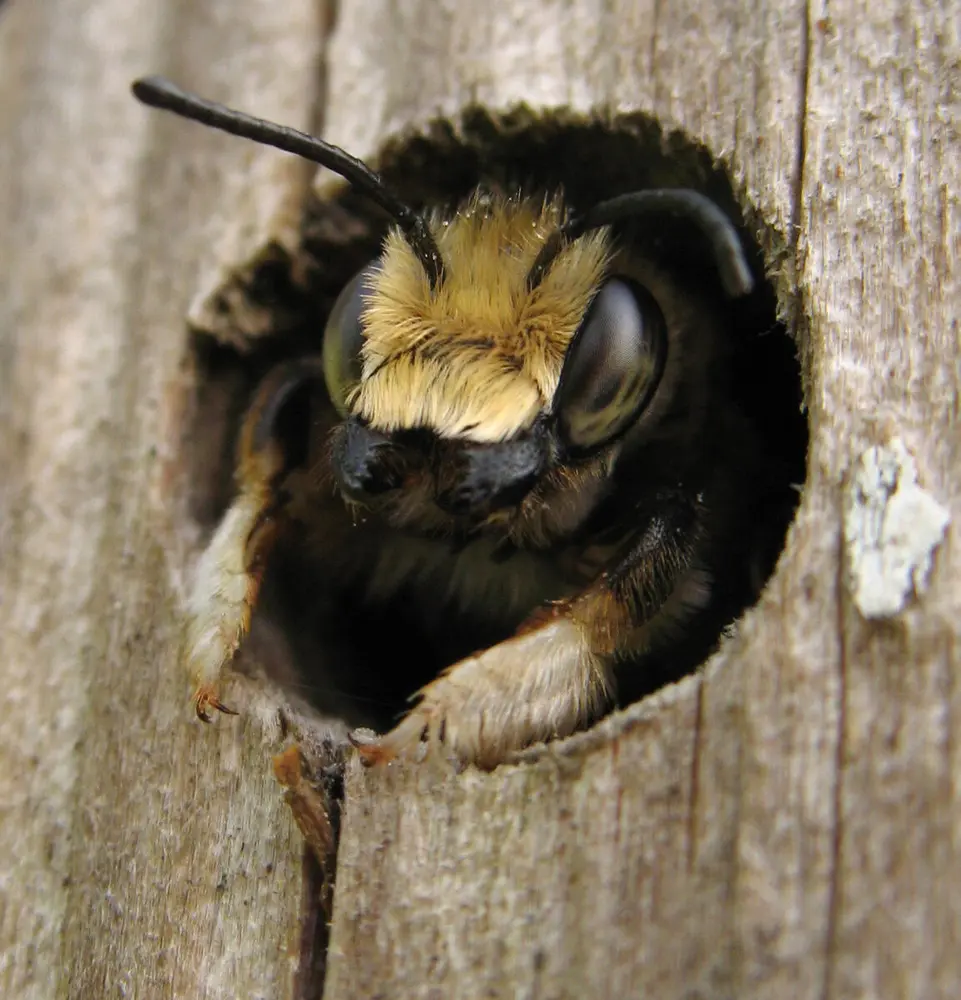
(891, 528)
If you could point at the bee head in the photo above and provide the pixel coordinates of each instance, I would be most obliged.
(487, 361)
(514, 377)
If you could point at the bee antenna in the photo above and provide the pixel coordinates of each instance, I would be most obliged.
(158, 92)
(723, 238)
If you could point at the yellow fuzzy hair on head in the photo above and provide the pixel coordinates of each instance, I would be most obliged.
(479, 356)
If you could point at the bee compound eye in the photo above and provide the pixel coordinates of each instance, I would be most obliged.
(344, 337)
(612, 367)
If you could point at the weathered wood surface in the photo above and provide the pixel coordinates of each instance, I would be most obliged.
(788, 824)
(785, 825)
(140, 855)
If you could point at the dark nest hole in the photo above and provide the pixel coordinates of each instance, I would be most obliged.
(363, 663)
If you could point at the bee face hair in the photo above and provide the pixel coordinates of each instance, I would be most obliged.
(479, 357)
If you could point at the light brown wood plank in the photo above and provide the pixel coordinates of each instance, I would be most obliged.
(784, 824)
(810, 767)
(141, 855)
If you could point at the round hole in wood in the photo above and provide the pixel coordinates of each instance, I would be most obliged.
(363, 658)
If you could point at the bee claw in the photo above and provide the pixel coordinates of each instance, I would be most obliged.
(367, 746)
(399, 742)
(204, 700)
(373, 754)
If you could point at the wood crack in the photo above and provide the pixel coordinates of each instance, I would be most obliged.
(314, 791)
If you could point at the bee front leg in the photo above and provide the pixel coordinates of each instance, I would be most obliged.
(539, 685)
(230, 571)
(556, 674)
(224, 595)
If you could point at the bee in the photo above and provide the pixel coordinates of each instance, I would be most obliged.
(525, 421)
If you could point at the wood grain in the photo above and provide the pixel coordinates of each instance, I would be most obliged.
(140, 856)
(785, 824)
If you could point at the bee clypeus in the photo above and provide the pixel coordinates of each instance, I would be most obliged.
(527, 423)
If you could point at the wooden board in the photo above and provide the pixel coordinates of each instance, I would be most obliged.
(785, 824)
(141, 855)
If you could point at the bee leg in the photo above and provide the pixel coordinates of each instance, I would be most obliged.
(230, 571)
(224, 595)
(556, 674)
(542, 684)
